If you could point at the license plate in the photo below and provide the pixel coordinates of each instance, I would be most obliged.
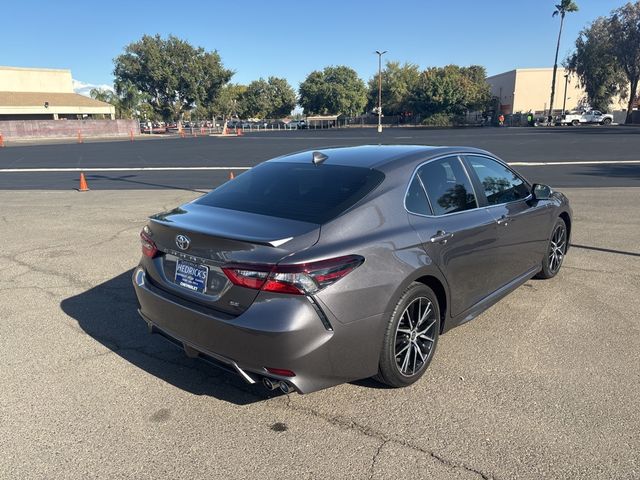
(192, 276)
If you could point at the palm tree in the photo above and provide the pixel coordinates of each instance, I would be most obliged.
(564, 7)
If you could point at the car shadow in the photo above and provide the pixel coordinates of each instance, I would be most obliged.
(371, 383)
(108, 313)
(627, 171)
(605, 250)
(136, 182)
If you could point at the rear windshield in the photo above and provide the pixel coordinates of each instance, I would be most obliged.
(305, 192)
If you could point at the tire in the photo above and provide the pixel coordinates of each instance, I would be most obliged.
(409, 345)
(606, 121)
(556, 250)
(575, 123)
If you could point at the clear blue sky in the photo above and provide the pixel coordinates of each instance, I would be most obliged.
(291, 38)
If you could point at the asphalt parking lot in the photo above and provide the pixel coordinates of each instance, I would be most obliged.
(544, 384)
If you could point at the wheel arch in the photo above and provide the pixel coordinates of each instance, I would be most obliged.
(441, 295)
(567, 221)
(436, 282)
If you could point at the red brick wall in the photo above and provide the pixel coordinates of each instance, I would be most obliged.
(14, 129)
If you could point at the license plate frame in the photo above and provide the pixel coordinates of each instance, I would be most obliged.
(191, 276)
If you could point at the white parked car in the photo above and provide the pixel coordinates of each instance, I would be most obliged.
(296, 124)
(578, 118)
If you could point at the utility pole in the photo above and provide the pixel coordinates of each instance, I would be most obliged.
(564, 103)
(380, 89)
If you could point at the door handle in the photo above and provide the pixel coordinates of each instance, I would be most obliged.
(504, 220)
(441, 237)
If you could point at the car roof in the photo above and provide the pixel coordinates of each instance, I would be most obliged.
(383, 157)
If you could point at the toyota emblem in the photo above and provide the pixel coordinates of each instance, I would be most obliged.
(182, 242)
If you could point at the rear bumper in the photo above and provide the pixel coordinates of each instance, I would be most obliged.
(277, 331)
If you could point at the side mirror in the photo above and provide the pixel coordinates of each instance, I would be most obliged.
(541, 192)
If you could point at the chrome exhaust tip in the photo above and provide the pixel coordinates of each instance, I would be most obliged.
(270, 384)
(286, 388)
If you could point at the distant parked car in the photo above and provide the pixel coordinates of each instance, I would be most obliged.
(277, 124)
(296, 124)
(584, 117)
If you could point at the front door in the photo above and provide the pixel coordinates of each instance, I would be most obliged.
(459, 236)
(522, 223)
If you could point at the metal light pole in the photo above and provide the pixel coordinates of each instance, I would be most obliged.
(564, 103)
(380, 89)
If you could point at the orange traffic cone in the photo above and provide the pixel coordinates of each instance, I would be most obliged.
(1, 141)
(231, 175)
(83, 183)
(80, 137)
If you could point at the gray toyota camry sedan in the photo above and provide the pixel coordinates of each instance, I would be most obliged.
(323, 267)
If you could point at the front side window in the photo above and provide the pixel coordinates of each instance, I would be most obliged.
(501, 185)
(448, 186)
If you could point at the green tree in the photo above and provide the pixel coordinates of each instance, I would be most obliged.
(271, 98)
(127, 100)
(564, 7)
(398, 83)
(108, 96)
(228, 103)
(596, 66)
(624, 30)
(174, 74)
(103, 95)
(333, 91)
(451, 90)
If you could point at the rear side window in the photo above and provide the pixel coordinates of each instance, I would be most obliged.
(416, 200)
(448, 186)
(304, 192)
(501, 185)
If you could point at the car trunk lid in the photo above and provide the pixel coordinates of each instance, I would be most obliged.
(194, 241)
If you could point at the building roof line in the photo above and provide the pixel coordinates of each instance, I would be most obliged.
(4, 67)
(526, 69)
(53, 99)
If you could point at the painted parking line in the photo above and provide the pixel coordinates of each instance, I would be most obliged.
(588, 162)
(115, 169)
(187, 169)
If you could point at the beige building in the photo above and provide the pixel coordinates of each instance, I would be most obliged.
(45, 94)
(529, 89)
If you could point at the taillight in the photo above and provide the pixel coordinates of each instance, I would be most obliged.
(149, 248)
(299, 279)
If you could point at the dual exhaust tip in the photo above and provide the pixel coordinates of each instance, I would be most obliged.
(277, 384)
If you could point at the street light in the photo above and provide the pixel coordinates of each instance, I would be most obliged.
(564, 103)
(380, 89)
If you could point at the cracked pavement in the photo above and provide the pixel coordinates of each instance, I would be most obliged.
(544, 384)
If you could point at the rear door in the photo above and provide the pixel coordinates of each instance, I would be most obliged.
(523, 224)
(457, 232)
